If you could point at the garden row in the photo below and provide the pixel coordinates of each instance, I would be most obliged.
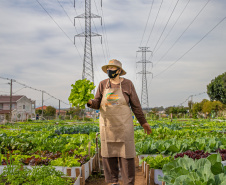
(189, 153)
(67, 147)
(39, 153)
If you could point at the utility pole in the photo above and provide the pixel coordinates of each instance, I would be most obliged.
(42, 103)
(11, 92)
(144, 72)
(88, 34)
(59, 110)
(191, 101)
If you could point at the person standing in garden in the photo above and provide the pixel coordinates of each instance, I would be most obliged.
(115, 97)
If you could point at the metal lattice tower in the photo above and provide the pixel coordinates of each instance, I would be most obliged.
(144, 72)
(88, 34)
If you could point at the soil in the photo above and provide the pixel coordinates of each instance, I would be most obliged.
(98, 179)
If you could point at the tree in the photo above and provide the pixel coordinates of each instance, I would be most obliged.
(50, 111)
(196, 108)
(73, 111)
(207, 107)
(39, 111)
(190, 104)
(215, 106)
(216, 89)
(154, 110)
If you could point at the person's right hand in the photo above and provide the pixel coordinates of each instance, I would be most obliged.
(147, 128)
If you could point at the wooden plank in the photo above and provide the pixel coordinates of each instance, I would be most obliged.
(81, 180)
(163, 183)
(77, 172)
(142, 165)
(152, 181)
(147, 174)
(145, 170)
(83, 174)
(69, 172)
(90, 171)
(94, 162)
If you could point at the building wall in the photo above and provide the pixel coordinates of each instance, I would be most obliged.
(1, 117)
(6, 106)
(23, 109)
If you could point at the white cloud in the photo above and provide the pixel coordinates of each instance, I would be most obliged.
(36, 52)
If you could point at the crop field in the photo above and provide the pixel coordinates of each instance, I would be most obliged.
(44, 145)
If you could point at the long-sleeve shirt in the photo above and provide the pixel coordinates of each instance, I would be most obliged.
(129, 94)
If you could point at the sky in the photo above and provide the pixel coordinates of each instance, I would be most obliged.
(187, 40)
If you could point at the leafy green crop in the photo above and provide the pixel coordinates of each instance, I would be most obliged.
(81, 93)
(158, 161)
(82, 129)
(38, 175)
(188, 171)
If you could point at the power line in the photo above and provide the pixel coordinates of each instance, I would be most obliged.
(59, 27)
(154, 23)
(69, 18)
(147, 22)
(184, 31)
(173, 25)
(192, 96)
(166, 25)
(26, 86)
(192, 46)
(104, 33)
(100, 39)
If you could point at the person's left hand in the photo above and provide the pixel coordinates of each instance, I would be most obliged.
(147, 128)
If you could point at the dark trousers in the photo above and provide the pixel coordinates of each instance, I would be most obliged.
(111, 169)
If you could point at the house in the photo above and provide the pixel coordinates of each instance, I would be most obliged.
(22, 107)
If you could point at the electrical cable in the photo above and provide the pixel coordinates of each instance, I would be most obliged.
(59, 27)
(104, 32)
(154, 23)
(69, 19)
(166, 25)
(147, 22)
(26, 86)
(192, 46)
(173, 25)
(191, 96)
(184, 31)
(18, 90)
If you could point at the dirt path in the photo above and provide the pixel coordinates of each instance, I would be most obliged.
(96, 179)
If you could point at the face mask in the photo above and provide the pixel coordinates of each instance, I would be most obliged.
(112, 74)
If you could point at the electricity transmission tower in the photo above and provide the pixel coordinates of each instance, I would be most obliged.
(144, 72)
(88, 34)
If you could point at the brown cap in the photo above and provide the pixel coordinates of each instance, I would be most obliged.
(114, 63)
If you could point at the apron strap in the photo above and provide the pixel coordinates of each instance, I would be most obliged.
(110, 83)
(120, 83)
(107, 84)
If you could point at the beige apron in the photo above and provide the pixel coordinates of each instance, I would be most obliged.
(116, 125)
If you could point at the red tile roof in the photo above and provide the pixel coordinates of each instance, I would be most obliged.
(40, 108)
(6, 99)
